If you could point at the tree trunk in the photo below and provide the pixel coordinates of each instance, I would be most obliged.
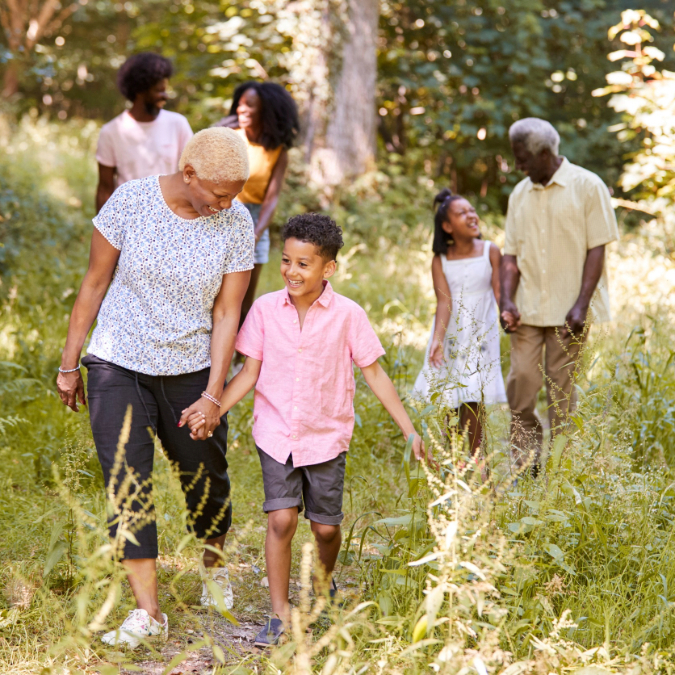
(10, 80)
(348, 149)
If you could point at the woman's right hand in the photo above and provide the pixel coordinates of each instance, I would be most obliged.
(436, 355)
(71, 389)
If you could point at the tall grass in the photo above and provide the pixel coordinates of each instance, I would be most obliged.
(441, 571)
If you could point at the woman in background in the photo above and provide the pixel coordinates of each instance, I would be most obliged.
(266, 116)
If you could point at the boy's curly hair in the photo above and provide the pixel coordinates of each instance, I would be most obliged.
(317, 229)
(141, 72)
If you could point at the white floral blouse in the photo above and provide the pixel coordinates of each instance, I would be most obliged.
(157, 316)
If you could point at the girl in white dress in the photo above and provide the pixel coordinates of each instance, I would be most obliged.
(462, 360)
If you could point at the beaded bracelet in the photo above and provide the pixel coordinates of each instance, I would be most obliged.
(213, 399)
(72, 370)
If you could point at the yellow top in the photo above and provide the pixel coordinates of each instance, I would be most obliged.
(261, 164)
(550, 230)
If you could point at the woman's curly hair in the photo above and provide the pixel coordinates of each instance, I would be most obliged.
(317, 229)
(141, 72)
(278, 114)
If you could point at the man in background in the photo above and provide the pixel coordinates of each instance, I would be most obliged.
(559, 220)
(144, 140)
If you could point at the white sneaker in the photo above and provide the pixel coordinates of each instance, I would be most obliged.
(139, 625)
(220, 577)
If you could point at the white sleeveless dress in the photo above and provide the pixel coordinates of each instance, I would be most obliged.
(471, 372)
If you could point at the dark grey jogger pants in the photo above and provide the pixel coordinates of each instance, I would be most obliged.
(157, 402)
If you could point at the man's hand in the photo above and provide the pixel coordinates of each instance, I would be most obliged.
(575, 321)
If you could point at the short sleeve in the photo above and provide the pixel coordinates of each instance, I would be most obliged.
(105, 150)
(113, 218)
(601, 227)
(240, 257)
(510, 234)
(364, 344)
(252, 333)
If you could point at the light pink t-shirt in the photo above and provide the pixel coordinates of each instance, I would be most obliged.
(304, 398)
(142, 149)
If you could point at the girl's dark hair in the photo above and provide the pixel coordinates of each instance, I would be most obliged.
(441, 238)
(278, 114)
(142, 72)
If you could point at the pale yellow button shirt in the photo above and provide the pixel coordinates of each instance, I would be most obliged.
(550, 230)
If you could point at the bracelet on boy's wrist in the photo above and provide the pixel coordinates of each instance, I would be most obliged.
(72, 370)
(213, 399)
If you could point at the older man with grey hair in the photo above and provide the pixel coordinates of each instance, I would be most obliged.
(553, 280)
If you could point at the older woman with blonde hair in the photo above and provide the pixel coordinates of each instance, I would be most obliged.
(170, 262)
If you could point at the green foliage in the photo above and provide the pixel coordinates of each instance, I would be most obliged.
(454, 76)
(644, 96)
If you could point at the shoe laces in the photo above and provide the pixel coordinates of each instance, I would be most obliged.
(136, 617)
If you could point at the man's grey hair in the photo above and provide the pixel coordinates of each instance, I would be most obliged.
(536, 135)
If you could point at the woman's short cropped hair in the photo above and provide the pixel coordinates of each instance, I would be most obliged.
(317, 229)
(141, 72)
(536, 135)
(216, 154)
(278, 115)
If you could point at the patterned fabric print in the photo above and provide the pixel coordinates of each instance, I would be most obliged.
(157, 316)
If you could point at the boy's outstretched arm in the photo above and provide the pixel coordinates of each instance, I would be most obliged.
(235, 390)
(384, 389)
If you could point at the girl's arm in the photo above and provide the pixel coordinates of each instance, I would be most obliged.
(495, 261)
(103, 257)
(236, 389)
(443, 311)
(272, 194)
(226, 311)
(384, 389)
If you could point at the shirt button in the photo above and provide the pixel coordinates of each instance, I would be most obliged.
(294, 436)
(297, 379)
(300, 349)
(295, 321)
(295, 407)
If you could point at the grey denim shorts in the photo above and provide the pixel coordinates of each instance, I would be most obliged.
(318, 486)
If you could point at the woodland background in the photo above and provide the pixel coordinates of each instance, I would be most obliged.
(426, 87)
(569, 573)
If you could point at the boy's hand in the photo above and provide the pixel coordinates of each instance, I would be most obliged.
(195, 421)
(422, 454)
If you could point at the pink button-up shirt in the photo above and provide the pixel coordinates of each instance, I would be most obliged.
(304, 398)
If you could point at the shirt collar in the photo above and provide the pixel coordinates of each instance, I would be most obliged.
(324, 299)
(560, 177)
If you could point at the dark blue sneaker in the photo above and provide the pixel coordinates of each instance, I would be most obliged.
(270, 634)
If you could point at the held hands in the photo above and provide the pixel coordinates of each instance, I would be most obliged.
(71, 389)
(509, 317)
(202, 417)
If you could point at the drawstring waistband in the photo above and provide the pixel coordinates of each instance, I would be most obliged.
(147, 412)
(166, 400)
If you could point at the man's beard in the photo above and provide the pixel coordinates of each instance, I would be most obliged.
(152, 109)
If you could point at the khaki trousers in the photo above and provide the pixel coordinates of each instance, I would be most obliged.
(532, 347)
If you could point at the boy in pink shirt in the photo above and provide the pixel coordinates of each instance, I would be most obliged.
(300, 344)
